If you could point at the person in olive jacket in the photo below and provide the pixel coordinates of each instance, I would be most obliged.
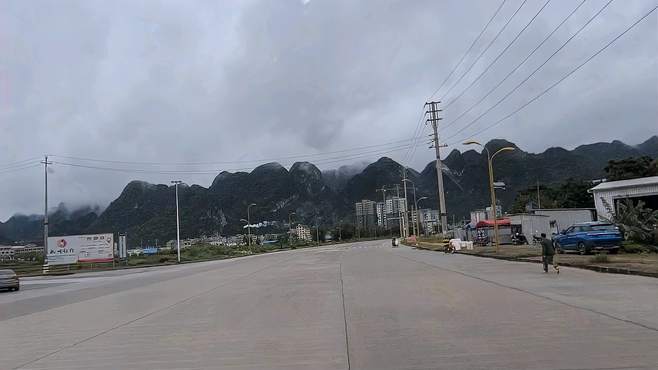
(547, 253)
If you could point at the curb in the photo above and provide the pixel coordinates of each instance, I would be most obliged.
(597, 268)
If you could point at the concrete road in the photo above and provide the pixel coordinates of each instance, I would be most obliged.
(356, 306)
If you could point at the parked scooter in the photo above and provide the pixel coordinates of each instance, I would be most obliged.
(519, 239)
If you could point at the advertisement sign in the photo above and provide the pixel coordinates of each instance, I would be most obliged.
(80, 248)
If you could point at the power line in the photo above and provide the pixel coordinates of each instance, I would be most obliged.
(419, 125)
(499, 55)
(468, 50)
(24, 167)
(517, 66)
(356, 149)
(486, 48)
(417, 133)
(568, 74)
(18, 163)
(216, 171)
(531, 74)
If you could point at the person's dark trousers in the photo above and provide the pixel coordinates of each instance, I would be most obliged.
(547, 260)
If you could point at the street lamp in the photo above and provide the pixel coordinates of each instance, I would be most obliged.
(490, 158)
(249, 223)
(414, 186)
(417, 214)
(176, 182)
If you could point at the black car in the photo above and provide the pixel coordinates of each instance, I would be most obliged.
(9, 280)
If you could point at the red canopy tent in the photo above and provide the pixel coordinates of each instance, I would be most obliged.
(490, 223)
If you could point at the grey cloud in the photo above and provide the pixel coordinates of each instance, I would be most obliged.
(186, 81)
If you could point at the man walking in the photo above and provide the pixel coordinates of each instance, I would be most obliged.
(547, 253)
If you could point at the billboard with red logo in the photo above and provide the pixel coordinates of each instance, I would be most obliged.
(70, 249)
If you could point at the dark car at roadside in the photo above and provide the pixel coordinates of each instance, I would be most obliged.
(588, 237)
(9, 280)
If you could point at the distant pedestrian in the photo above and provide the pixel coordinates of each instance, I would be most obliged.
(548, 253)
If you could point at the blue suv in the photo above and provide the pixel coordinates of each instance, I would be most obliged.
(587, 237)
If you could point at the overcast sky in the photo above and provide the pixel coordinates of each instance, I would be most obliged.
(241, 81)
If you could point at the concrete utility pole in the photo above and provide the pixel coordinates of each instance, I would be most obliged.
(384, 221)
(434, 120)
(176, 182)
(538, 198)
(406, 204)
(249, 224)
(45, 209)
(397, 200)
(418, 215)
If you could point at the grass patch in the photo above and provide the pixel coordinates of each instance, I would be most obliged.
(600, 258)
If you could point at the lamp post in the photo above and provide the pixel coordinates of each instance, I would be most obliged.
(417, 214)
(416, 230)
(490, 158)
(249, 224)
(176, 182)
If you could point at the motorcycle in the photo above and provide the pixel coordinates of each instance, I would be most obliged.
(519, 239)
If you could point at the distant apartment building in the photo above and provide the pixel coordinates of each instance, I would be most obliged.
(302, 232)
(395, 205)
(428, 220)
(366, 214)
(381, 215)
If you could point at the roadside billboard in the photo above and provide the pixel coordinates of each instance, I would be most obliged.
(70, 249)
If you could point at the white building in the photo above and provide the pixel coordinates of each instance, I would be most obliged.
(302, 232)
(429, 219)
(366, 214)
(561, 218)
(611, 192)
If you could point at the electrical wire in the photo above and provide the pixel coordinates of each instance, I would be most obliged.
(567, 75)
(516, 67)
(355, 149)
(216, 171)
(485, 49)
(531, 74)
(498, 56)
(18, 163)
(31, 165)
(486, 26)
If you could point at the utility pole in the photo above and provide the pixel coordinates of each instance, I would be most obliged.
(397, 200)
(434, 120)
(176, 182)
(406, 204)
(45, 209)
(384, 221)
(538, 198)
(249, 223)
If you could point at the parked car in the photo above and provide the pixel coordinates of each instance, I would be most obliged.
(587, 237)
(395, 242)
(9, 280)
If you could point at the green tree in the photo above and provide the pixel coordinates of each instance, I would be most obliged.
(571, 194)
(631, 168)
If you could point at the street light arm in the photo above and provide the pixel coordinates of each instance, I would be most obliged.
(473, 142)
(505, 149)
